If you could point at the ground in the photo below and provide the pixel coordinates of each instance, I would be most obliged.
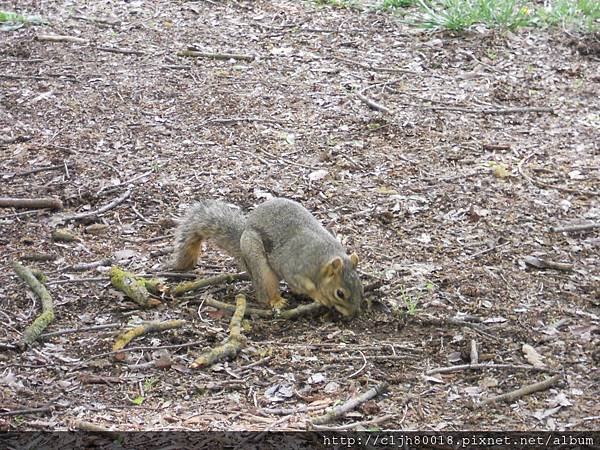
(444, 193)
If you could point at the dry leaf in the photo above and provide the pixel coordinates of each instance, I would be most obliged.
(532, 356)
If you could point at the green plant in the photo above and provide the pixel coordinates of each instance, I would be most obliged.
(337, 3)
(410, 301)
(395, 4)
(570, 14)
(12, 21)
(458, 15)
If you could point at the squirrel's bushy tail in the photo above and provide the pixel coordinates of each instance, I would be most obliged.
(208, 219)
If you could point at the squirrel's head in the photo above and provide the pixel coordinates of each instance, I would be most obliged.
(340, 286)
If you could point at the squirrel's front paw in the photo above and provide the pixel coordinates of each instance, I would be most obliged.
(277, 303)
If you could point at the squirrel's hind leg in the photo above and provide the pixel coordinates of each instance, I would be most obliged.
(264, 279)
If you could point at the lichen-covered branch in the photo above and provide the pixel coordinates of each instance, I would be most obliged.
(33, 331)
(128, 336)
(136, 288)
(187, 286)
(234, 342)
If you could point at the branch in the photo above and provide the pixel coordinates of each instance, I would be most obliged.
(481, 366)
(187, 286)
(31, 203)
(219, 56)
(351, 404)
(234, 343)
(526, 390)
(575, 228)
(60, 38)
(150, 327)
(373, 104)
(97, 212)
(33, 331)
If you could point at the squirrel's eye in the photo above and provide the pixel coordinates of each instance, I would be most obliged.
(339, 294)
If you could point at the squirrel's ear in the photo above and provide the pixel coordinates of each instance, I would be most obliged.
(354, 259)
(334, 266)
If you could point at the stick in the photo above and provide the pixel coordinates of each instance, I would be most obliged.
(42, 169)
(481, 366)
(82, 267)
(128, 336)
(351, 404)
(473, 354)
(124, 51)
(187, 286)
(33, 331)
(31, 203)
(105, 208)
(373, 104)
(80, 330)
(575, 228)
(548, 185)
(301, 310)
(526, 390)
(234, 343)
(353, 425)
(540, 263)
(22, 412)
(60, 38)
(500, 111)
(219, 56)
(243, 119)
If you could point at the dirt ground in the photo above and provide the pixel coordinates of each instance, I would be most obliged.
(484, 142)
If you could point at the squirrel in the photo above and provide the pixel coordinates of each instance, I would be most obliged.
(278, 240)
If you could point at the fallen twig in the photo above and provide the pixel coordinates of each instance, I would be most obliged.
(97, 212)
(22, 412)
(481, 366)
(228, 120)
(219, 56)
(473, 353)
(33, 331)
(354, 425)
(80, 330)
(351, 404)
(372, 103)
(42, 169)
(548, 185)
(500, 111)
(187, 286)
(82, 267)
(150, 327)
(31, 203)
(526, 390)
(575, 228)
(234, 342)
(124, 51)
(145, 347)
(292, 313)
(540, 263)
(60, 38)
